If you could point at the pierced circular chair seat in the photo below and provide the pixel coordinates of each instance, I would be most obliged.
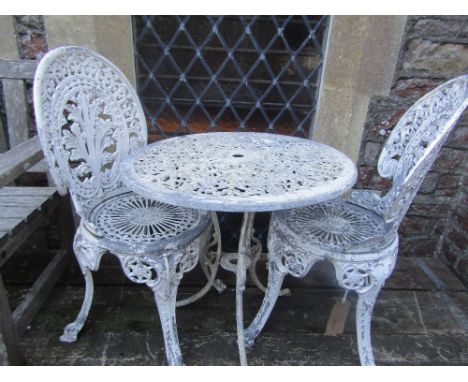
(132, 224)
(335, 227)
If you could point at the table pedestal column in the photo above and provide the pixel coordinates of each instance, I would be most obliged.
(242, 265)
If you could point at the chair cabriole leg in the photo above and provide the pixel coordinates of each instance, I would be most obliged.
(275, 281)
(365, 306)
(165, 295)
(88, 257)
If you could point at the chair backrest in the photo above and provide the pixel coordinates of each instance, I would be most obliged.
(415, 142)
(89, 118)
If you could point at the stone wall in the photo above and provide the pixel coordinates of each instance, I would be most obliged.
(32, 45)
(434, 49)
(30, 37)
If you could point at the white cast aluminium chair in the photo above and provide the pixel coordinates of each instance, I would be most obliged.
(359, 236)
(89, 119)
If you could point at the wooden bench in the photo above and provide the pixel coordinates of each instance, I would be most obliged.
(24, 210)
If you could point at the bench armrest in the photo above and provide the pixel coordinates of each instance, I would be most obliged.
(17, 160)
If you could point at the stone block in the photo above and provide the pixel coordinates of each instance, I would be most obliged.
(431, 199)
(429, 210)
(451, 161)
(460, 217)
(459, 138)
(30, 34)
(371, 153)
(436, 28)
(430, 183)
(459, 239)
(463, 121)
(435, 59)
(422, 247)
(438, 228)
(448, 185)
(448, 252)
(369, 177)
(414, 88)
(426, 247)
(462, 268)
(415, 226)
(383, 115)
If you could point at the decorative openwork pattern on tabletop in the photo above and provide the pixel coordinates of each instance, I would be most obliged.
(232, 171)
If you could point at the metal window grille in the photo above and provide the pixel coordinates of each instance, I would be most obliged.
(229, 73)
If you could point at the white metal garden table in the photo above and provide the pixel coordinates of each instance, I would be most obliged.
(239, 172)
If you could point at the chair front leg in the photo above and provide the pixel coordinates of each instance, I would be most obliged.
(162, 273)
(366, 279)
(165, 295)
(282, 259)
(275, 280)
(88, 256)
(365, 306)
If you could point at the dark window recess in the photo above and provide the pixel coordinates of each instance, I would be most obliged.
(229, 73)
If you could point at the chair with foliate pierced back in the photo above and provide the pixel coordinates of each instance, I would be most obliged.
(89, 119)
(359, 235)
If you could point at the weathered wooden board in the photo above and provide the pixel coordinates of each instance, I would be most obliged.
(16, 107)
(11, 225)
(10, 348)
(20, 205)
(14, 162)
(22, 209)
(3, 140)
(18, 69)
(27, 191)
(39, 292)
(22, 231)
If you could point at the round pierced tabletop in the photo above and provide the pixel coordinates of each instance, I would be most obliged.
(238, 172)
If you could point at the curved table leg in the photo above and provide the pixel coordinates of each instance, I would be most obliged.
(209, 267)
(244, 252)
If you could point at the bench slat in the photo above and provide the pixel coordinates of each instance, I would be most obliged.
(20, 205)
(10, 224)
(18, 69)
(22, 201)
(23, 212)
(16, 108)
(27, 191)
